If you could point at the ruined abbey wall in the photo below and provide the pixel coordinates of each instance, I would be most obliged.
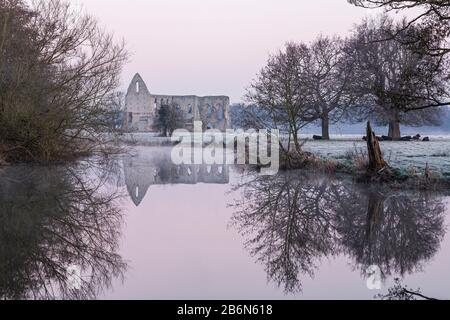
(142, 108)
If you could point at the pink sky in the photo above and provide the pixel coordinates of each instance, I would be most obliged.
(214, 47)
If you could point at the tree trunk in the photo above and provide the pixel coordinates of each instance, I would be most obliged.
(376, 161)
(325, 127)
(297, 145)
(394, 127)
(394, 130)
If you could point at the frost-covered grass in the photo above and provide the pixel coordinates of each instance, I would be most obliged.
(402, 155)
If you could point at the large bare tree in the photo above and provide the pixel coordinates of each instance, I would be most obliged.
(303, 84)
(280, 94)
(395, 83)
(57, 69)
(327, 82)
(430, 22)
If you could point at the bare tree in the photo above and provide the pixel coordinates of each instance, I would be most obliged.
(280, 94)
(430, 22)
(115, 104)
(327, 82)
(57, 69)
(169, 118)
(395, 84)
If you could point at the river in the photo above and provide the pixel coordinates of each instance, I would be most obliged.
(138, 227)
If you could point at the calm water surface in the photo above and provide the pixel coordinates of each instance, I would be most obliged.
(142, 228)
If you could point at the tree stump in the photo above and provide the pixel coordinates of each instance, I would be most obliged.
(376, 161)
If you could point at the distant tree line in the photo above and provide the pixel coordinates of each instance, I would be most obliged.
(370, 75)
(59, 72)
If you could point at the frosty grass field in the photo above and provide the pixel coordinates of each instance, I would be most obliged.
(399, 154)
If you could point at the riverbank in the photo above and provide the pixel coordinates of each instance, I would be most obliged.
(413, 164)
(416, 165)
(344, 148)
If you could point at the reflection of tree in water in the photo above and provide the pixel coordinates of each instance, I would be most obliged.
(293, 219)
(397, 232)
(52, 220)
(288, 224)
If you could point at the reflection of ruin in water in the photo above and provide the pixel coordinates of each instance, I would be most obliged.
(292, 220)
(144, 170)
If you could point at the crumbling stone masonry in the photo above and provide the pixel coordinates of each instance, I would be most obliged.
(141, 108)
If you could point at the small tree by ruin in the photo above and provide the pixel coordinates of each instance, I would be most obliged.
(169, 118)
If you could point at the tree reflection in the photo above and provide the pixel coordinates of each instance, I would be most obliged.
(288, 224)
(292, 220)
(397, 231)
(53, 220)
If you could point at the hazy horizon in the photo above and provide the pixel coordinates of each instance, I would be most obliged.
(213, 47)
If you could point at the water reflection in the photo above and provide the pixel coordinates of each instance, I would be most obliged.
(53, 220)
(144, 169)
(288, 223)
(59, 232)
(396, 231)
(292, 220)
